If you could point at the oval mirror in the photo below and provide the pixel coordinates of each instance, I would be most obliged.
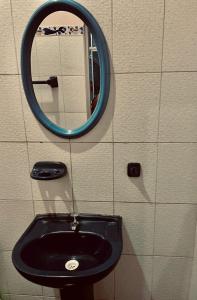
(65, 68)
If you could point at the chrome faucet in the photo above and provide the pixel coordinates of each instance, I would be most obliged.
(75, 223)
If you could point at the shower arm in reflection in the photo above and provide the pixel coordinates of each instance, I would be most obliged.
(52, 81)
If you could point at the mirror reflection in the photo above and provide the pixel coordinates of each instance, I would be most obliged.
(65, 69)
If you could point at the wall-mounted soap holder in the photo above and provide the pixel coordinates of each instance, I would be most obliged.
(48, 170)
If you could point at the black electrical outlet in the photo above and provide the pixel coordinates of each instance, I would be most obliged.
(134, 169)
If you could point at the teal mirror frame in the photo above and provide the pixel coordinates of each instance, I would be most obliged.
(42, 12)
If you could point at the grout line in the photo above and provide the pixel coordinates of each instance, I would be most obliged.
(182, 71)
(30, 179)
(113, 176)
(64, 112)
(158, 135)
(112, 30)
(109, 202)
(71, 174)
(95, 142)
(63, 90)
(34, 296)
(112, 93)
(156, 255)
(15, 40)
(8, 74)
(155, 203)
(155, 72)
(113, 73)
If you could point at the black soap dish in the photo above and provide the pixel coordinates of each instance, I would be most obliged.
(48, 170)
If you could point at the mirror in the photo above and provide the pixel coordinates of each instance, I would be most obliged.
(65, 68)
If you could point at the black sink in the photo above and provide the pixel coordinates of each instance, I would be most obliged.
(42, 253)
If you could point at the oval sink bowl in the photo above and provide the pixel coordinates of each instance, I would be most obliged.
(50, 253)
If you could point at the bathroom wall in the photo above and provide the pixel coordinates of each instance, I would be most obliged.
(151, 118)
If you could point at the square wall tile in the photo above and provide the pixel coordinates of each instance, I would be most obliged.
(92, 171)
(60, 189)
(15, 217)
(11, 116)
(72, 52)
(133, 277)
(48, 53)
(75, 98)
(137, 35)
(104, 208)
(104, 289)
(135, 189)
(137, 107)
(53, 207)
(15, 179)
(175, 229)
(138, 227)
(180, 39)
(178, 112)
(171, 278)
(11, 282)
(177, 173)
(8, 63)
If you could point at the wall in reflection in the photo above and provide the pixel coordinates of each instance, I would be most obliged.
(65, 57)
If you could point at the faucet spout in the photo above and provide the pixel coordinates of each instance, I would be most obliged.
(75, 223)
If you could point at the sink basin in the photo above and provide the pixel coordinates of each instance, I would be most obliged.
(46, 251)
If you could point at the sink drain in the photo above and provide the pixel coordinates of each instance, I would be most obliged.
(71, 265)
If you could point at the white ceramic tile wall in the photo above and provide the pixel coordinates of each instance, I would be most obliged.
(12, 122)
(171, 277)
(137, 35)
(138, 222)
(151, 119)
(133, 278)
(136, 107)
(180, 39)
(8, 63)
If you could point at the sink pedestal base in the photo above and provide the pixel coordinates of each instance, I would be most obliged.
(77, 292)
